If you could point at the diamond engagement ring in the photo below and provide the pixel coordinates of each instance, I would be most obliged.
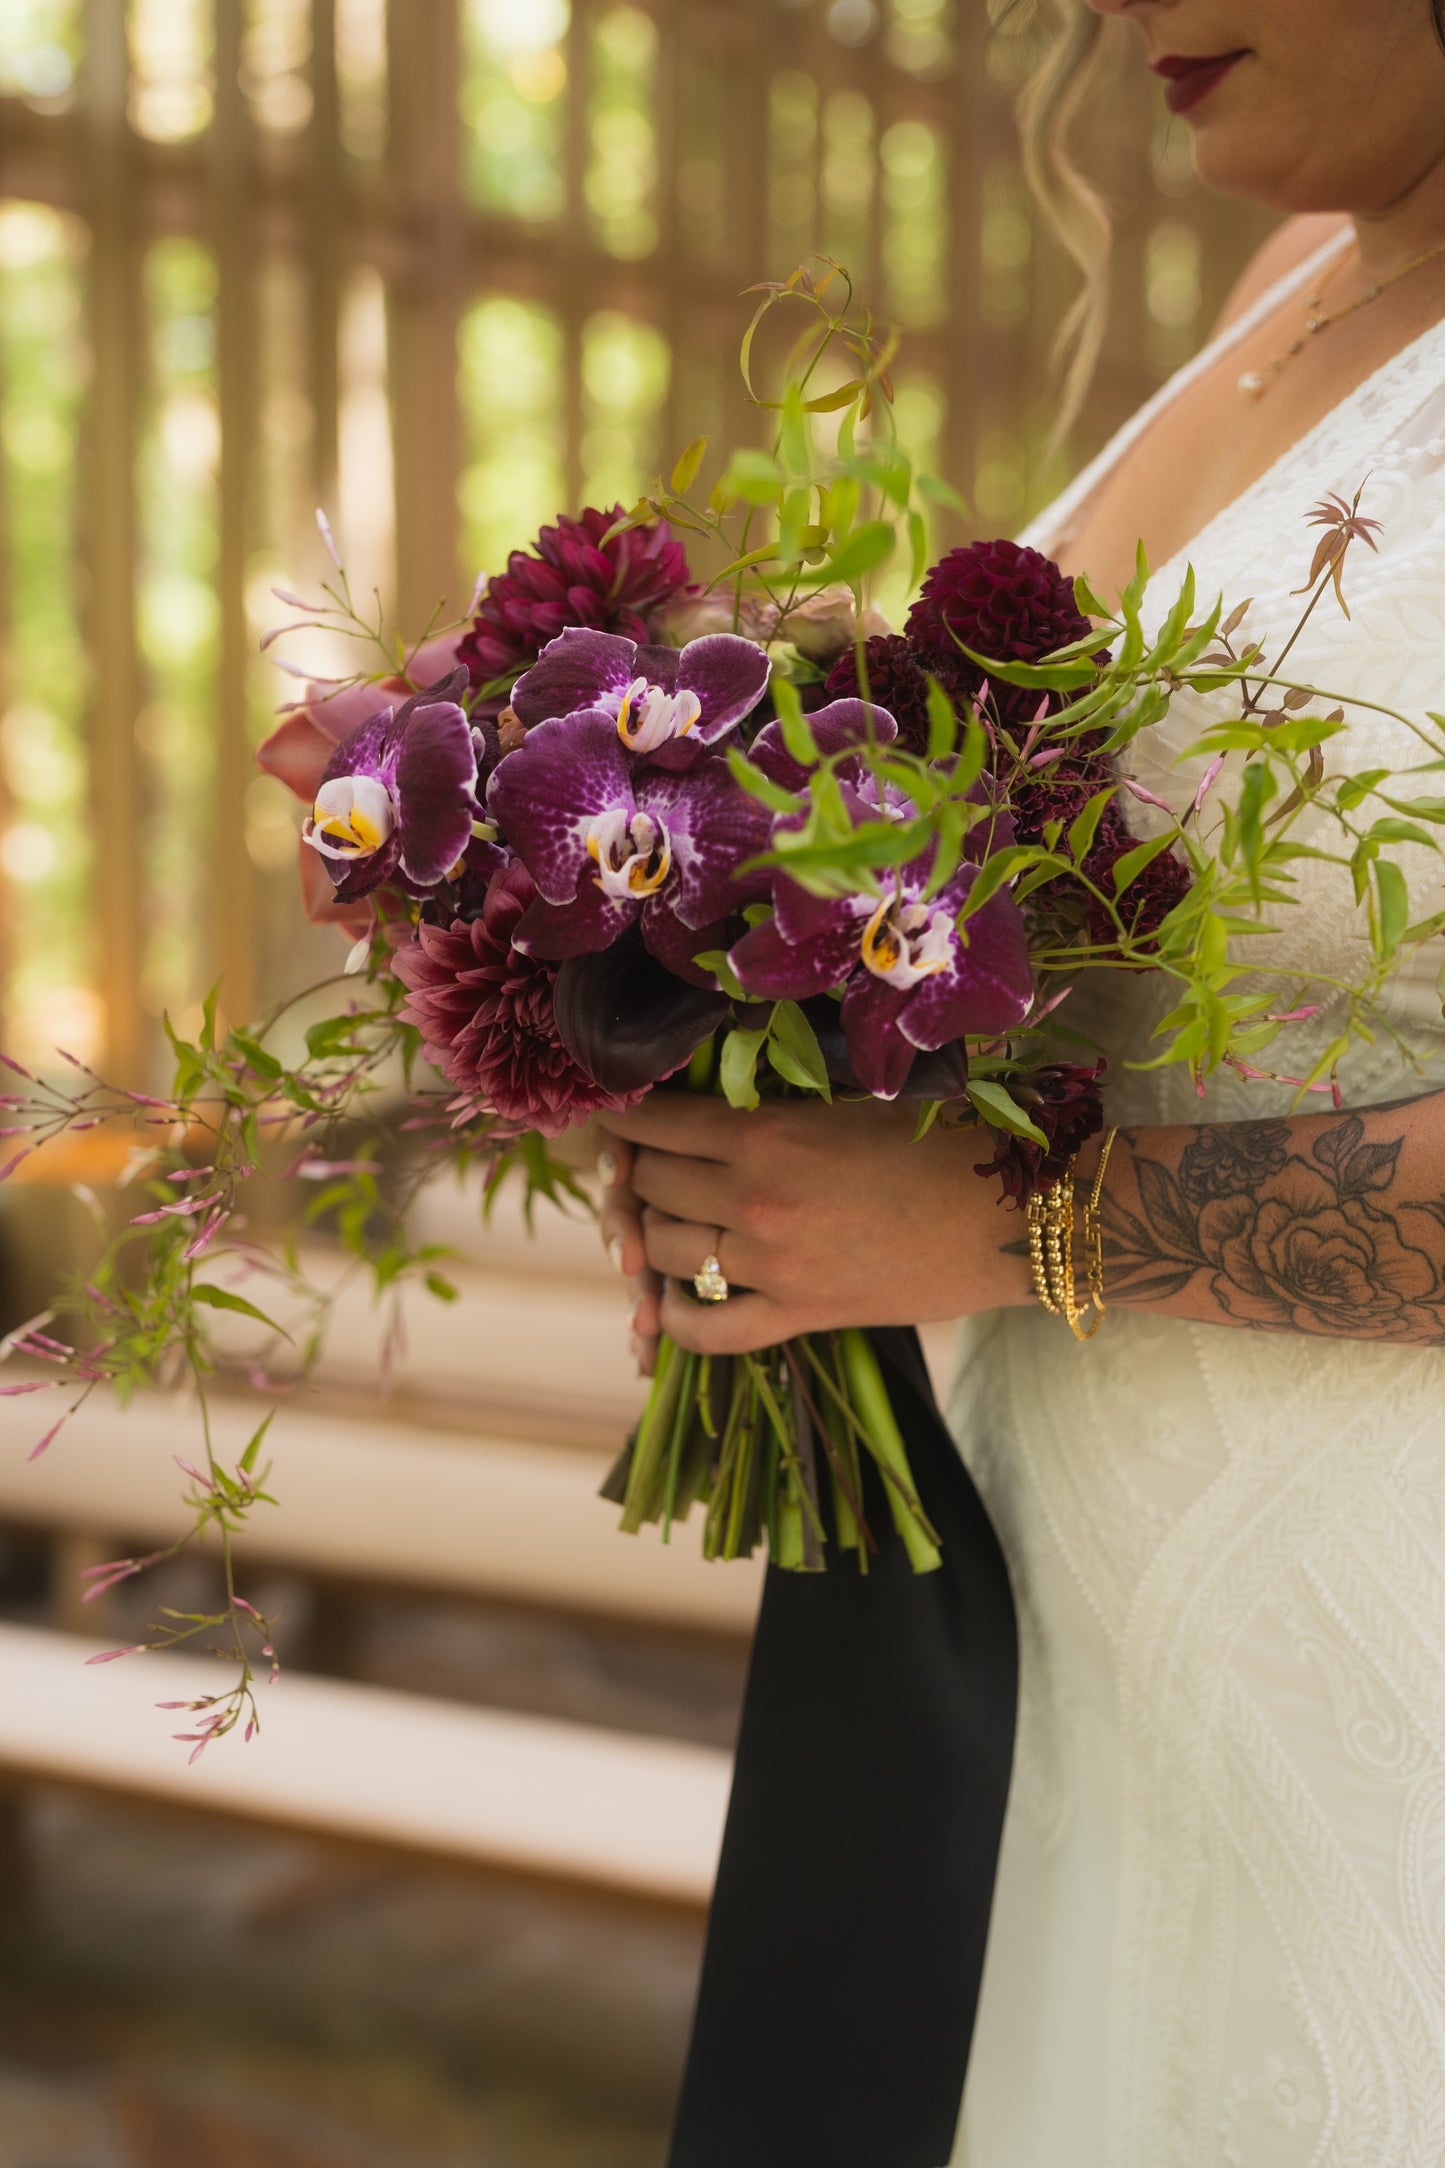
(709, 1283)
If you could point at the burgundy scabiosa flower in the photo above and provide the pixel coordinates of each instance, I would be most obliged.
(398, 796)
(669, 704)
(571, 578)
(487, 1014)
(1063, 1101)
(1150, 896)
(897, 680)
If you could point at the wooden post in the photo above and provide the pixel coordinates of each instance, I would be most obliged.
(425, 305)
(233, 180)
(109, 537)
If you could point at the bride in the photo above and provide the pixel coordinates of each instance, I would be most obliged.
(1219, 1927)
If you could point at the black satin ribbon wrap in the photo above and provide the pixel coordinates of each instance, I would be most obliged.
(845, 1947)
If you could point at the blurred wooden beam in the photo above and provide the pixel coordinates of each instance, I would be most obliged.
(109, 536)
(232, 888)
(426, 292)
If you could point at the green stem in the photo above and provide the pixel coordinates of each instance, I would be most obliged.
(885, 1442)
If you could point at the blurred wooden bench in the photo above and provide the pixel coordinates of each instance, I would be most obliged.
(529, 1794)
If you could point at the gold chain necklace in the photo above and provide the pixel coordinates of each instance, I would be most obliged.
(1255, 382)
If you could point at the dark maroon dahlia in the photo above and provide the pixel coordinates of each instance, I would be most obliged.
(571, 578)
(487, 1016)
(1004, 601)
(1063, 1101)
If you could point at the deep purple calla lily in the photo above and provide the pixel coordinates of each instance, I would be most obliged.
(669, 704)
(912, 980)
(628, 1020)
(611, 843)
(398, 795)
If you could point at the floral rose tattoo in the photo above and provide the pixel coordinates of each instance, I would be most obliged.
(1313, 1243)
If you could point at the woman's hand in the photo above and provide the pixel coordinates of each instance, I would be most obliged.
(820, 1216)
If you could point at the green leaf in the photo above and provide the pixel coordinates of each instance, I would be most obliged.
(737, 1072)
(258, 1439)
(995, 873)
(969, 765)
(1398, 831)
(832, 402)
(794, 1051)
(1394, 906)
(686, 472)
(918, 544)
(866, 548)
(1089, 603)
(1000, 1111)
(221, 1298)
(756, 477)
(1132, 864)
(932, 1108)
(437, 1284)
(937, 491)
(256, 1056)
(716, 961)
(1083, 830)
(760, 786)
(942, 724)
(793, 438)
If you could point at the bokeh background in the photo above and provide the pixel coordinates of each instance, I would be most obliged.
(444, 267)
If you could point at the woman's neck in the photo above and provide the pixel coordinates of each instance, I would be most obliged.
(1395, 235)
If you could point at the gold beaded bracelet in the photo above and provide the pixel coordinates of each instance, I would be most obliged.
(1050, 1219)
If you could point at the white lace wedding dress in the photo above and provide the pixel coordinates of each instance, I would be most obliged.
(1220, 1926)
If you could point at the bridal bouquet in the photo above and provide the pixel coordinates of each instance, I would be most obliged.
(638, 824)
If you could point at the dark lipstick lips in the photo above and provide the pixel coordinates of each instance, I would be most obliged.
(1191, 80)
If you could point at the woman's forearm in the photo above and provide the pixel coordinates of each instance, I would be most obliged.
(1331, 1224)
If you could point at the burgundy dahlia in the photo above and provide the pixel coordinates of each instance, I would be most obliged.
(897, 681)
(572, 578)
(1063, 1101)
(1004, 601)
(487, 1016)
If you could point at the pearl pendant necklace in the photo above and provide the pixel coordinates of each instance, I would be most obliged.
(1256, 382)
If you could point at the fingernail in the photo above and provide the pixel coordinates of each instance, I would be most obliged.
(607, 1167)
(614, 1251)
(632, 1316)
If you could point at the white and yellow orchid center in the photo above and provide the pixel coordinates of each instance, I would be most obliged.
(906, 942)
(648, 716)
(352, 817)
(634, 856)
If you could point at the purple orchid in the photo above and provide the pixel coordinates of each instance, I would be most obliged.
(610, 842)
(912, 979)
(397, 800)
(670, 704)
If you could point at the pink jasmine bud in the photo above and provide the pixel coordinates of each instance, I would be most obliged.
(11, 1063)
(109, 1656)
(188, 1468)
(1207, 781)
(11, 1164)
(250, 1732)
(1044, 760)
(323, 528)
(1337, 1095)
(1145, 797)
(36, 1450)
(239, 1603)
(196, 1752)
(31, 1385)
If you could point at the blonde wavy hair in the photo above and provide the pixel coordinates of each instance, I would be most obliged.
(1050, 106)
